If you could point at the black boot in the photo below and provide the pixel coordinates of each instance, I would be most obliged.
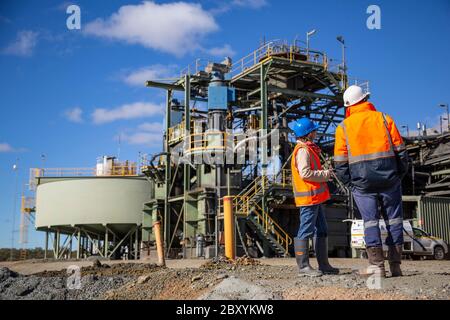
(395, 259)
(301, 248)
(321, 249)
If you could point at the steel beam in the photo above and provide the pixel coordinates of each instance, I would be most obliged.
(106, 242)
(78, 244)
(299, 93)
(187, 125)
(162, 85)
(46, 244)
(167, 173)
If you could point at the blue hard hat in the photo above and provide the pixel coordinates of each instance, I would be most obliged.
(304, 126)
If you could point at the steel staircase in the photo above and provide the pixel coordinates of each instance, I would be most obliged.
(247, 204)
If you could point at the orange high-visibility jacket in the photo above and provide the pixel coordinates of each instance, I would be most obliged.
(369, 152)
(307, 193)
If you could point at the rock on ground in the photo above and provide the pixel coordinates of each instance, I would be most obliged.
(233, 288)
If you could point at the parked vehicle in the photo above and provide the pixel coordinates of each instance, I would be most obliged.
(417, 242)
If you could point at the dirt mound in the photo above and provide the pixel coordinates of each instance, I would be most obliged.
(234, 288)
(186, 284)
(337, 293)
(99, 270)
(225, 263)
(6, 273)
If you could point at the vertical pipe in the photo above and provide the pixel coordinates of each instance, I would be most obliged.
(58, 239)
(136, 243)
(78, 243)
(114, 241)
(70, 246)
(187, 126)
(168, 172)
(106, 243)
(159, 243)
(46, 244)
(264, 132)
(130, 246)
(230, 250)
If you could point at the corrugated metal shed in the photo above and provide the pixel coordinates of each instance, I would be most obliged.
(433, 215)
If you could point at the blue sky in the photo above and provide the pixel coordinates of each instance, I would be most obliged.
(69, 94)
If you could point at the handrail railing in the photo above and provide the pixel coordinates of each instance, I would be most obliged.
(275, 229)
(245, 202)
(116, 170)
(274, 48)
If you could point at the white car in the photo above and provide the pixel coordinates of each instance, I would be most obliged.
(417, 243)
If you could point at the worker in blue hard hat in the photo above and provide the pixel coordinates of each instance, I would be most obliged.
(309, 182)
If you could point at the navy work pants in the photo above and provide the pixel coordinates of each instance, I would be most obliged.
(374, 206)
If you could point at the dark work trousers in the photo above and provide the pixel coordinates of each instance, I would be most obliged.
(387, 205)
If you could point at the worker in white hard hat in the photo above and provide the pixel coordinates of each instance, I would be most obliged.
(371, 160)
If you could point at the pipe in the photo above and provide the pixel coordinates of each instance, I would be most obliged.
(229, 227)
(159, 243)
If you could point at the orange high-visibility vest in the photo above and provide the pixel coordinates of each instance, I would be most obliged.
(307, 193)
(365, 135)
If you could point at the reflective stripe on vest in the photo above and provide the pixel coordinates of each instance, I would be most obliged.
(310, 193)
(370, 156)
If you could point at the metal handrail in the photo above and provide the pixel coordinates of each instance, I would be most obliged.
(116, 170)
(275, 47)
(281, 235)
(243, 204)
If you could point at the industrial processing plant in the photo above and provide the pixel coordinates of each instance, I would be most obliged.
(225, 150)
(227, 136)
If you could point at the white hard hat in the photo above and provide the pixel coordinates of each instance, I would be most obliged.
(353, 95)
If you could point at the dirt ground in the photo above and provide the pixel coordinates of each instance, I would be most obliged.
(218, 279)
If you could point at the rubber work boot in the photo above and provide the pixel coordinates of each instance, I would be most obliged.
(395, 259)
(321, 249)
(376, 263)
(301, 248)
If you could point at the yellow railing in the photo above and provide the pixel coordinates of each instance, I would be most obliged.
(206, 141)
(243, 206)
(270, 226)
(116, 170)
(278, 47)
(283, 178)
(27, 204)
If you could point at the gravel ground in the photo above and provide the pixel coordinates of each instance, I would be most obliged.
(220, 279)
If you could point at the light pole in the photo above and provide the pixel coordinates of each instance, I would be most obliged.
(445, 105)
(440, 121)
(342, 41)
(16, 172)
(308, 34)
(407, 129)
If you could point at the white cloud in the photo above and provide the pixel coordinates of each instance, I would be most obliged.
(176, 27)
(7, 148)
(127, 111)
(149, 134)
(229, 5)
(23, 45)
(74, 115)
(157, 71)
(254, 4)
(152, 127)
(144, 138)
(224, 51)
